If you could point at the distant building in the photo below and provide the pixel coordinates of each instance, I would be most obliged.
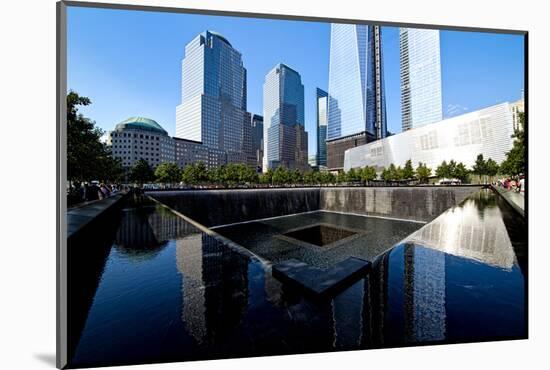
(189, 152)
(141, 138)
(517, 108)
(257, 125)
(356, 93)
(313, 160)
(337, 148)
(285, 139)
(487, 131)
(213, 96)
(421, 101)
(322, 121)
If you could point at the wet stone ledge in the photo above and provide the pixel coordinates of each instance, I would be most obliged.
(80, 217)
(321, 283)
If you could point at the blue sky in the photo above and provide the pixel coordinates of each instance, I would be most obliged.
(129, 63)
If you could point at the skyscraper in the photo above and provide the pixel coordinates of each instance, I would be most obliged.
(421, 101)
(285, 139)
(257, 123)
(356, 97)
(322, 121)
(213, 96)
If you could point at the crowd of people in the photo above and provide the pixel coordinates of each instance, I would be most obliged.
(87, 192)
(513, 184)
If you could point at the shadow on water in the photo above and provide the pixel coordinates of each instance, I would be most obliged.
(161, 291)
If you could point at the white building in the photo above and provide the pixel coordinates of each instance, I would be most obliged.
(141, 138)
(487, 131)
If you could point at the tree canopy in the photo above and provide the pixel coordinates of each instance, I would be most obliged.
(168, 173)
(87, 157)
(142, 172)
(423, 172)
(514, 164)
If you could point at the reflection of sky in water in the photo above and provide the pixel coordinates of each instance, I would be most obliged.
(169, 293)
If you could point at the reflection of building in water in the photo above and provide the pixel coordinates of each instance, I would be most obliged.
(166, 225)
(407, 298)
(215, 286)
(470, 231)
(225, 275)
(149, 228)
(189, 262)
(347, 313)
(135, 234)
(377, 294)
(424, 294)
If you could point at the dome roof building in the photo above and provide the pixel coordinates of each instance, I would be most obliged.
(138, 138)
(141, 123)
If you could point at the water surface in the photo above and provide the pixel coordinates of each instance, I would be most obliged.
(158, 290)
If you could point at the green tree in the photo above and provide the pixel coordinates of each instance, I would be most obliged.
(310, 177)
(195, 173)
(295, 177)
(87, 156)
(267, 177)
(248, 175)
(280, 176)
(423, 173)
(443, 171)
(461, 172)
(231, 174)
(326, 177)
(112, 169)
(514, 164)
(408, 171)
(398, 173)
(492, 167)
(368, 174)
(341, 177)
(393, 173)
(386, 174)
(141, 172)
(215, 175)
(168, 173)
(480, 167)
(353, 175)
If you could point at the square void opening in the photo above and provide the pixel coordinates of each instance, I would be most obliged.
(320, 235)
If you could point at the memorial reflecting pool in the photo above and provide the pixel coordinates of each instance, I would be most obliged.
(161, 290)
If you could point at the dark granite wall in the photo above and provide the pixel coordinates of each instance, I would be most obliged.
(413, 203)
(221, 207)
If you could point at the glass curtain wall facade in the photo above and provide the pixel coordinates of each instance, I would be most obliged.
(376, 93)
(213, 95)
(283, 100)
(322, 121)
(356, 86)
(421, 101)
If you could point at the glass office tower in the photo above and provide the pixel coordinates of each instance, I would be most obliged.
(421, 101)
(285, 139)
(356, 101)
(213, 95)
(322, 121)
